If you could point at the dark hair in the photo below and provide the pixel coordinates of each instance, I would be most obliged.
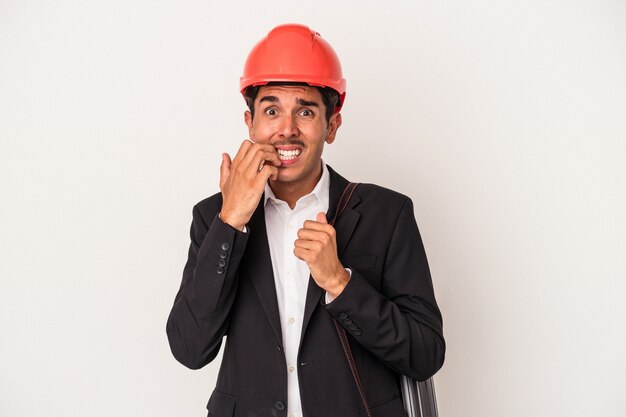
(330, 97)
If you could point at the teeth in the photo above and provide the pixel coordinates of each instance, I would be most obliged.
(286, 155)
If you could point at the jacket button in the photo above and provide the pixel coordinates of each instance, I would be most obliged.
(225, 246)
(353, 327)
(343, 316)
(279, 405)
(357, 332)
(347, 321)
(220, 271)
(223, 255)
(222, 262)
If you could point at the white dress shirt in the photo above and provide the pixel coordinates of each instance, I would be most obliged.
(291, 275)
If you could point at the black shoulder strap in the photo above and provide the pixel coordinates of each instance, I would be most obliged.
(343, 337)
(343, 200)
(418, 397)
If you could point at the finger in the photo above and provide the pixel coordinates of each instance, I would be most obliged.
(224, 169)
(313, 235)
(322, 227)
(274, 173)
(242, 152)
(308, 248)
(266, 173)
(265, 146)
(264, 157)
(302, 254)
(303, 244)
(259, 154)
(259, 147)
(321, 217)
(259, 163)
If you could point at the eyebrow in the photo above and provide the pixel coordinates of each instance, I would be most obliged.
(307, 103)
(271, 99)
(302, 102)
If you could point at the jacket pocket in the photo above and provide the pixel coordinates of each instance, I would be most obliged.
(221, 405)
(392, 407)
(360, 262)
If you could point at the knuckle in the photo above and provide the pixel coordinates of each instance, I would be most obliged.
(270, 170)
(244, 147)
(251, 150)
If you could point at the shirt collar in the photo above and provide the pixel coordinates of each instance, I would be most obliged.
(321, 189)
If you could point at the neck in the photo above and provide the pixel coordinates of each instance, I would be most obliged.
(290, 192)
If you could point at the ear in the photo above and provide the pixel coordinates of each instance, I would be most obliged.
(333, 125)
(247, 118)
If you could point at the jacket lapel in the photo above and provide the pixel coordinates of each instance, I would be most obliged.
(260, 268)
(344, 227)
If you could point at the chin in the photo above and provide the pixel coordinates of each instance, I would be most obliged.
(284, 178)
(288, 175)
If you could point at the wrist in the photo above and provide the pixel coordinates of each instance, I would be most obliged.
(232, 221)
(340, 284)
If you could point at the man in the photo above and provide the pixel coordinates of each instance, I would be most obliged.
(268, 271)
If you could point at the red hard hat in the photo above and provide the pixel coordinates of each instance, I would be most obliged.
(294, 53)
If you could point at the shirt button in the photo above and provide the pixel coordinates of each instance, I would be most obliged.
(291, 320)
(291, 368)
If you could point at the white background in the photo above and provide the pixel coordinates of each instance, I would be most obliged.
(505, 121)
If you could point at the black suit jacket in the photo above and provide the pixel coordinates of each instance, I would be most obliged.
(388, 309)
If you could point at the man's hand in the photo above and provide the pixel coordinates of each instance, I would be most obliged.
(317, 246)
(242, 183)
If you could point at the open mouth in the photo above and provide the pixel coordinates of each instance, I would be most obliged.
(288, 154)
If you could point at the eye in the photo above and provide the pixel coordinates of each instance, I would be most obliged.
(270, 111)
(306, 113)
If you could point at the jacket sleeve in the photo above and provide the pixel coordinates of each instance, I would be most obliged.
(199, 318)
(401, 324)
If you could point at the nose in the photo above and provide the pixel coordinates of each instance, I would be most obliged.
(288, 127)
